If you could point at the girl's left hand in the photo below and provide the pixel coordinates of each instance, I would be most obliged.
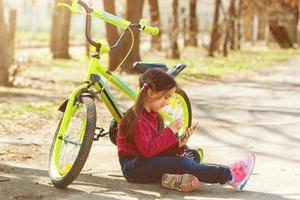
(188, 134)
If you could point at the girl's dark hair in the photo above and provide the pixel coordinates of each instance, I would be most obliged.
(156, 80)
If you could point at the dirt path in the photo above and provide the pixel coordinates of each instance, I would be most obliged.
(260, 114)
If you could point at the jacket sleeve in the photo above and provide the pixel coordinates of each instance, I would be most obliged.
(150, 145)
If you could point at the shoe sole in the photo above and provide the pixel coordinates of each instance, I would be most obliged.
(194, 186)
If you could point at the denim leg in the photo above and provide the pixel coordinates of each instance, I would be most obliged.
(151, 169)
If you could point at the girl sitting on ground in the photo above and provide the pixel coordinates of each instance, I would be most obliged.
(149, 152)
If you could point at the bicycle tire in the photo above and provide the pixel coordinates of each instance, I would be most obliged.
(65, 180)
(181, 92)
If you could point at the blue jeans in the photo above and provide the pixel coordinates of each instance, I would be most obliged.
(145, 170)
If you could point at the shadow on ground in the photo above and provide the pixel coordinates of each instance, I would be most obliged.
(34, 184)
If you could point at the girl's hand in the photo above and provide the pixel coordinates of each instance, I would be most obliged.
(175, 125)
(188, 134)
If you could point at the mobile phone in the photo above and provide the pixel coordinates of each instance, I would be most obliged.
(182, 136)
(193, 127)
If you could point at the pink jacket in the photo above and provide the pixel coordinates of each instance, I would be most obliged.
(147, 141)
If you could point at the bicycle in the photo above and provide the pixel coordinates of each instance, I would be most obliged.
(77, 129)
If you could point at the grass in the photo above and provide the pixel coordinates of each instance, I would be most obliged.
(64, 74)
(28, 36)
(42, 36)
(10, 111)
(15, 102)
(202, 66)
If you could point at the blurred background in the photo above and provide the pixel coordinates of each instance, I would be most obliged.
(242, 60)
(43, 49)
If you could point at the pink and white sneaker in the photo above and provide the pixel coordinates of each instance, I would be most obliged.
(182, 183)
(241, 172)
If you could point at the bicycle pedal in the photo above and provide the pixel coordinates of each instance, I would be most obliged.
(99, 132)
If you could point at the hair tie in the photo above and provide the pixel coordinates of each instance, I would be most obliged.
(145, 85)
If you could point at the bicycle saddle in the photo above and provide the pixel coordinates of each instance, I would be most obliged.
(143, 66)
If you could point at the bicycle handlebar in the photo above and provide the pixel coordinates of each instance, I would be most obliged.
(89, 10)
(107, 17)
(149, 29)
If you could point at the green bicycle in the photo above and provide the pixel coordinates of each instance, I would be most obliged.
(77, 128)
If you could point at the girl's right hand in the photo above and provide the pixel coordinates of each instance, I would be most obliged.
(175, 125)
(188, 134)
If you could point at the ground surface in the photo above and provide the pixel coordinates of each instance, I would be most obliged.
(259, 114)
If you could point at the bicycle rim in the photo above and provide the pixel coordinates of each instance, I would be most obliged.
(68, 142)
(177, 109)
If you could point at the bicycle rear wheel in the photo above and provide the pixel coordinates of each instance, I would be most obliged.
(71, 145)
(179, 107)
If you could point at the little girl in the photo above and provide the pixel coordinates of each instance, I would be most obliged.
(149, 152)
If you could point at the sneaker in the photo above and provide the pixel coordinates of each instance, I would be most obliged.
(193, 154)
(182, 183)
(241, 172)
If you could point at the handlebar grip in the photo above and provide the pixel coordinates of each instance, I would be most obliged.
(152, 30)
(72, 7)
(149, 29)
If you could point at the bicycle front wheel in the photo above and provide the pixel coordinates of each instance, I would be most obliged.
(179, 107)
(72, 144)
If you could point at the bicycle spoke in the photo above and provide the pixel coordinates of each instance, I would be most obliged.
(72, 139)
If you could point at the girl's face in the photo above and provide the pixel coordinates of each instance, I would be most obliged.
(157, 100)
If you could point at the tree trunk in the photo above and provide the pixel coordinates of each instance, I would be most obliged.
(225, 44)
(174, 34)
(280, 34)
(4, 62)
(214, 33)
(61, 21)
(193, 24)
(185, 34)
(261, 27)
(298, 24)
(11, 36)
(232, 29)
(255, 24)
(133, 14)
(155, 21)
(239, 34)
(112, 35)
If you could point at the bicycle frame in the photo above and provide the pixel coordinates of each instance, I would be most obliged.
(95, 86)
(96, 68)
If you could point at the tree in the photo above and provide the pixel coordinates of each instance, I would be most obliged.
(155, 21)
(4, 63)
(192, 40)
(239, 34)
(214, 34)
(7, 43)
(184, 27)
(298, 24)
(174, 34)
(282, 18)
(133, 14)
(232, 22)
(112, 35)
(61, 22)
